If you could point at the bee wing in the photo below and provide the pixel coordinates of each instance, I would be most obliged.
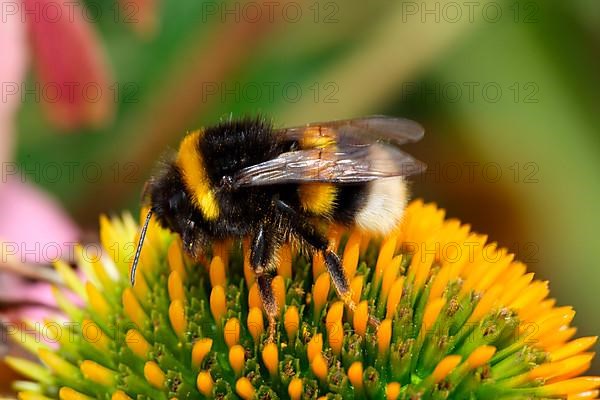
(396, 131)
(365, 149)
(346, 164)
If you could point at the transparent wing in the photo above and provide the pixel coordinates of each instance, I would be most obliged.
(396, 131)
(346, 164)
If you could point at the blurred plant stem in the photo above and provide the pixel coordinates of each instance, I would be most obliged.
(173, 107)
(397, 50)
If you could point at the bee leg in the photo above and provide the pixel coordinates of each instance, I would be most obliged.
(340, 281)
(261, 259)
(269, 303)
(332, 261)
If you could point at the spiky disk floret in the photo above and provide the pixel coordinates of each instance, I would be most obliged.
(460, 318)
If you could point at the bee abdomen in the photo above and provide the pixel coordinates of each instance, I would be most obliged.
(384, 206)
(376, 206)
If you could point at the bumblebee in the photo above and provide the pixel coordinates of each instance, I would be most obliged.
(245, 179)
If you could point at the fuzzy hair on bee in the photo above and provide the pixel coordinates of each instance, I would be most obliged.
(243, 178)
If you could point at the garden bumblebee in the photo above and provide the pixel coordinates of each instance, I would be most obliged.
(245, 179)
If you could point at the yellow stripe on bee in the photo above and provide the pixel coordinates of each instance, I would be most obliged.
(317, 198)
(189, 161)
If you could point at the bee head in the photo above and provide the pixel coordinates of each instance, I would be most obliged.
(165, 196)
(173, 208)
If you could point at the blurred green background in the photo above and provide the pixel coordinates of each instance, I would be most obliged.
(507, 91)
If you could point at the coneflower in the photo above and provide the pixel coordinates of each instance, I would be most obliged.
(460, 318)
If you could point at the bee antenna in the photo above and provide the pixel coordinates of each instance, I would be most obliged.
(138, 251)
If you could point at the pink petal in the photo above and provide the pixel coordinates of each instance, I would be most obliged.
(70, 63)
(34, 228)
(13, 47)
(29, 313)
(14, 289)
